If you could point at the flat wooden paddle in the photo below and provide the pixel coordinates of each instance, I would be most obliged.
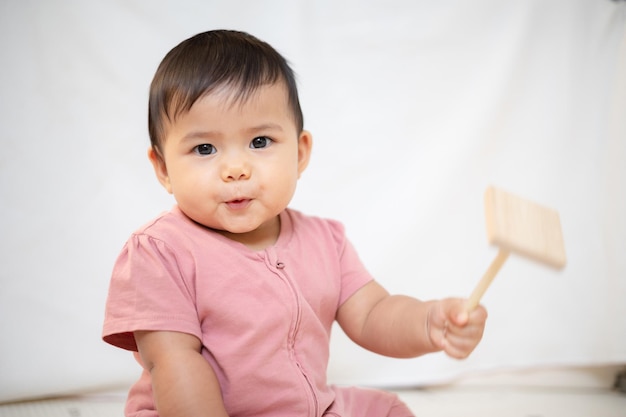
(517, 225)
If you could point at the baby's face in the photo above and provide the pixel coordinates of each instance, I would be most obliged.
(233, 166)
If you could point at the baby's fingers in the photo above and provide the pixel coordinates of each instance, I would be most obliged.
(456, 351)
(459, 342)
(460, 316)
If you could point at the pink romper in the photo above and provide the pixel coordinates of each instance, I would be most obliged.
(264, 318)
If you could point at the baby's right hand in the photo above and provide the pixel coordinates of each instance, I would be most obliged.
(453, 329)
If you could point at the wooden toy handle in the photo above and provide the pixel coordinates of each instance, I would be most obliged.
(489, 275)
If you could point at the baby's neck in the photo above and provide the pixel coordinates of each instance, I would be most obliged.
(259, 239)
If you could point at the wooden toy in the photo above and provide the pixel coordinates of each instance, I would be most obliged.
(517, 225)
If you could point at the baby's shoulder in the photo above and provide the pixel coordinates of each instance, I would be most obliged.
(173, 228)
(316, 226)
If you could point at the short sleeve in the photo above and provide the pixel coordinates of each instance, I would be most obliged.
(149, 290)
(354, 275)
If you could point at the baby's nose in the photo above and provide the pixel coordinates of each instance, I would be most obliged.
(236, 170)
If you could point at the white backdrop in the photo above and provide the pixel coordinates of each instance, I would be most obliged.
(415, 107)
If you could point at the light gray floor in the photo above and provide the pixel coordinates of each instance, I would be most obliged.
(572, 393)
(467, 401)
(515, 402)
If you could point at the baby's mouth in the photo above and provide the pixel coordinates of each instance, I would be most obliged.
(238, 204)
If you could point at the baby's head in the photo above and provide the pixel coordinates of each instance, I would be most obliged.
(227, 137)
(211, 61)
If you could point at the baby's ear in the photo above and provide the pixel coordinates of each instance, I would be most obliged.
(160, 169)
(305, 144)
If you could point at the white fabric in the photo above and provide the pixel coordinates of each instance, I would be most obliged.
(415, 108)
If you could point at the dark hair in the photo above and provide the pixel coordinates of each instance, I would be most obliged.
(210, 60)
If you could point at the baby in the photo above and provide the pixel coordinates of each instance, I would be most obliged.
(229, 298)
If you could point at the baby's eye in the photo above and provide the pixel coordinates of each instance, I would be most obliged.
(260, 142)
(205, 149)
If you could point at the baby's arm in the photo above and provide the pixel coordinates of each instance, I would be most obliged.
(401, 326)
(183, 382)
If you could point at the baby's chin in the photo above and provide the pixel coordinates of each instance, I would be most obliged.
(241, 227)
(253, 235)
